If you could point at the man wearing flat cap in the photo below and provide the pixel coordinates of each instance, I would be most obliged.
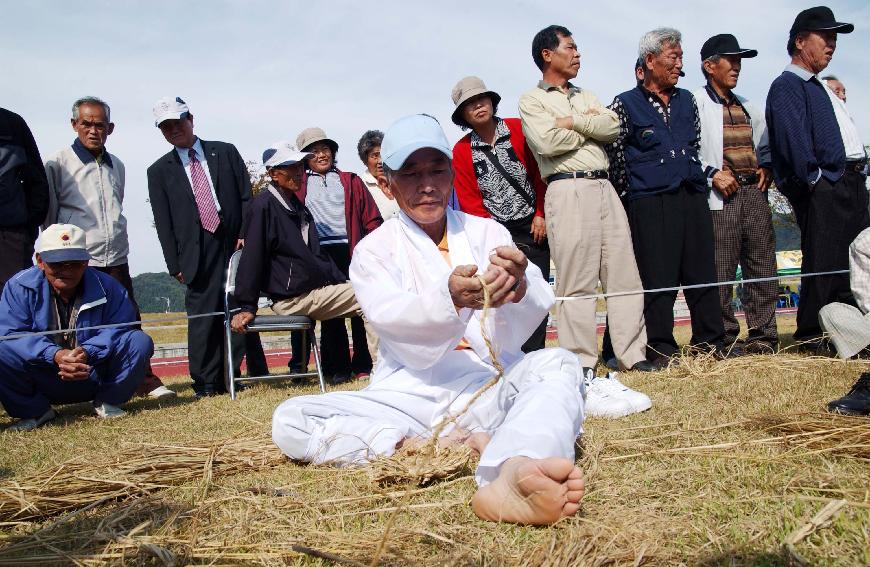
(198, 191)
(817, 166)
(736, 160)
(104, 366)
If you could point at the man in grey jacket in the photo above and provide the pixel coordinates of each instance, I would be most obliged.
(736, 159)
(86, 189)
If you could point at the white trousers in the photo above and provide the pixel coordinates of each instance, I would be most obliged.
(535, 411)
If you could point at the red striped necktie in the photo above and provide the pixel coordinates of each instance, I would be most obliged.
(208, 213)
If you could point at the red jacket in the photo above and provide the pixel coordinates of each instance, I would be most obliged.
(465, 181)
(361, 215)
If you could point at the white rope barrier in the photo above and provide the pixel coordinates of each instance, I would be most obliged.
(697, 286)
(570, 298)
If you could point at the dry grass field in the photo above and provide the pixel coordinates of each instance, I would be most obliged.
(733, 460)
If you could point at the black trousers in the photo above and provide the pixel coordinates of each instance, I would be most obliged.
(539, 255)
(830, 217)
(672, 235)
(206, 353)
(334, 346)
(17, 245)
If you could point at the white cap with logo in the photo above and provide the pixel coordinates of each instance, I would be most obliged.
(62, 243)
(169, 108)
(283, 153)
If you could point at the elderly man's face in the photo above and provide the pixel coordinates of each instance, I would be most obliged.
(724, 72)
(179, 132)
(92, 127)
(838, 88)
(815, 49)
(422, 187)
(287, 177)
(322, 160)
(565, 59)
(63, 277)
(664, 68)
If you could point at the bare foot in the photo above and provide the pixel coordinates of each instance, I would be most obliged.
(478, 442)
(531, 491)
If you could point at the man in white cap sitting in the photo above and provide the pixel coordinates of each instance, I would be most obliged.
(283, 258)
(419, 279)
(61, 292)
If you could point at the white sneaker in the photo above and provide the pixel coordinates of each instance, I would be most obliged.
(601, 401)
(638, 400)
(161, 392)
(32, 423)
(108, 411)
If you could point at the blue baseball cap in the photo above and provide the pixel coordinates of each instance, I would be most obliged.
(409, 134)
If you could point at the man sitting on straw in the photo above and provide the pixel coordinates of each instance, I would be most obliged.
(419, 279)
(85, 364)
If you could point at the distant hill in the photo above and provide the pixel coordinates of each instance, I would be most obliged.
(151, 288)
(788, 235)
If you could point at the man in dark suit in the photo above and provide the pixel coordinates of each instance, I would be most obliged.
(198, 192)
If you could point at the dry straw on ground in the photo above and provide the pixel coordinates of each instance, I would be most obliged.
(734, 465)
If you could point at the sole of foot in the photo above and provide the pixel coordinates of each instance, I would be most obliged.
(528, 491)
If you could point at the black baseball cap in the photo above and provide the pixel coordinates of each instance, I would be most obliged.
(724, 44)
(819, 18)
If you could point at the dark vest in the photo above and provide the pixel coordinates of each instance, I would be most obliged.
(661, 157)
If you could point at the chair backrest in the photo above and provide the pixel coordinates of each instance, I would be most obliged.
(232, 270)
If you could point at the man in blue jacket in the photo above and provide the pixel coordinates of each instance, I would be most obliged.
(61, 292)
(819, 163)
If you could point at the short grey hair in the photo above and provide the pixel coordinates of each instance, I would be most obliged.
(369, 141)
(715, 58)
(91, 100)
(653, 42)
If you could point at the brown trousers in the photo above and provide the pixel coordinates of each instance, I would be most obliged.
(590, 242)
(329, 302)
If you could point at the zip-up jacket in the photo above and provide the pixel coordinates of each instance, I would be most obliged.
(276, 260)
(361, 213)
(26, 307)
(23, 188)
(90, 194)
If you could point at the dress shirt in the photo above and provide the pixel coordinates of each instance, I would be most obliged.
(563, 150)
(851, 139)
(200, 155)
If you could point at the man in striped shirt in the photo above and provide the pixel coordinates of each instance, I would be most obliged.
(820, 170)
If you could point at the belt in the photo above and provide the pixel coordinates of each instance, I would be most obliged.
(596, 174)
(746, 178)
(858, 166)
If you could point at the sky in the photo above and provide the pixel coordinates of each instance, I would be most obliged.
(255, 72)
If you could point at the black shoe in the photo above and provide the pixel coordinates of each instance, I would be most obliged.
(205, 394)
(644, 366)
(730, 351)
(857, 401)
(660, 362)
(760, 347)
(816, 347)
(339, 378)
(612, 364)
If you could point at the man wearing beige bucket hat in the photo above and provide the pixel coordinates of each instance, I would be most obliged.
(344, 212)
(497, 177)
(566, 127)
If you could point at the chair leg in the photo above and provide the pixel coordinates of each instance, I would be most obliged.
(230, 368)
(316, 350)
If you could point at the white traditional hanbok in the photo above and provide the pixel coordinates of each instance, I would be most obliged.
(400, 280)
